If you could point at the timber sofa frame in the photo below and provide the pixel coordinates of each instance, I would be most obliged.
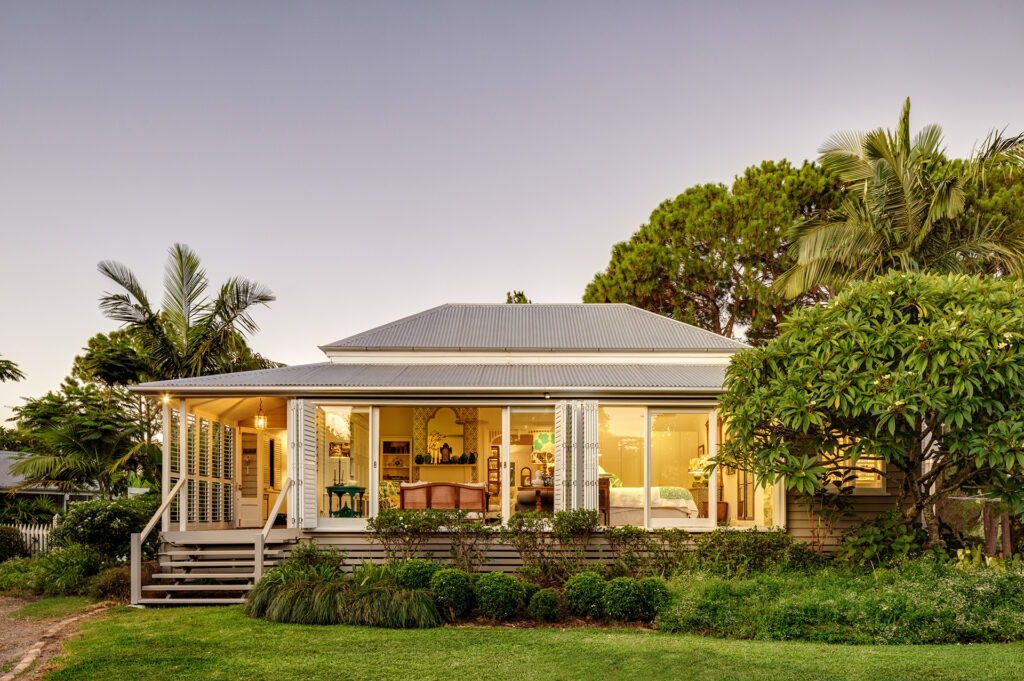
(446, 495)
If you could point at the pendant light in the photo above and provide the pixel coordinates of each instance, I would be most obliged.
(261, 418)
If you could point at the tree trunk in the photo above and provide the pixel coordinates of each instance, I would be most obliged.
(931, 526)
(991, 528)
(1004, 526)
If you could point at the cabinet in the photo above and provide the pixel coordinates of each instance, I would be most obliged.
(395, 460)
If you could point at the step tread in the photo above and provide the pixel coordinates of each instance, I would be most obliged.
(197, 587)
(191, 601)
(220, 554)
(209, 563)
(205, 575)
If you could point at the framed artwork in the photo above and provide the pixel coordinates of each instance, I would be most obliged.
(492, 464)
(700, 451)
(526, 477)
(337, 450)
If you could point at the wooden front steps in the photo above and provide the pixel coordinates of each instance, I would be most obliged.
(211, 567)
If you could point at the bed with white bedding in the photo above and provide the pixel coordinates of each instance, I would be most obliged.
(626, 504)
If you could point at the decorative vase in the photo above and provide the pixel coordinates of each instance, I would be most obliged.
(419, 458)
(463, 459)
(472, 457)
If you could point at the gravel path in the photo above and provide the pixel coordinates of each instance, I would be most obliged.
(18, 637)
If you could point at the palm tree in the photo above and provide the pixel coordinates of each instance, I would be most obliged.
(906, 208)
(9, 371)
(191, 334)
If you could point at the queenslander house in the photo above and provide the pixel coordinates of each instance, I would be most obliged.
(491, 409)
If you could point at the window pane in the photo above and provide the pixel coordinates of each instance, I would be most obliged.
(679, 486)
(621, 443)
(532, 458)
(343, 461)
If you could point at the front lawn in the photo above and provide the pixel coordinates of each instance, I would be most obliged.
(222, 643)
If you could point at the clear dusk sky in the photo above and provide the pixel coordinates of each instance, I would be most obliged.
(367, 160)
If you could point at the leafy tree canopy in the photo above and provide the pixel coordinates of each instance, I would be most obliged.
(710, 256)
(192, 333)
(9, 371)
(907, 208)
(923, 371)
(516, 297)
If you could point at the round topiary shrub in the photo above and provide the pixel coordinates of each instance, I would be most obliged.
(543, 605)
(653, 597)
(498, 595)
(12, 544)
(416, 573)
(583, 594)
(107, 524)
(453, 592)
(623, 599)
(529, 588)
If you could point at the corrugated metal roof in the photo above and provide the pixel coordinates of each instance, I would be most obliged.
(484, 376)
(575, 326)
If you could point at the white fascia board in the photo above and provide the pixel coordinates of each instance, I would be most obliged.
(348, 356)
(313, 390)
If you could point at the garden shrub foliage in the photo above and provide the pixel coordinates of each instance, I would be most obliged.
(453, 591)
(415, 573)
(403, 533)
(12, 544)
(921, 601)
(654, 595)
(498, 595)
(543, 605)
(622, 599)
(583, 594)
(108, 524)
(638, 552)
(880, 541)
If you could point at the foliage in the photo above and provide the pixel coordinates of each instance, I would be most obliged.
(828, 503)
(573, 531)
(498, 595)
(880, 541)
(64, 571)
(112, 583)
(107, 525)
(543, 605)
(12, 544)
(622, 599)
(583, 594)
(920, 601)
(638, 552)
(15, 574)
(904, 208)
(654, 595)
(710, 256)
(403, 533)
(191, 334)
(525, 532)
(732, 552)
(912, 369)
(973, 559)
(469, 541)
(27, 509)
(453, 592)
(86, 437)
(516, 298)
(307, 555)
(392, 607)
(416, 573)
(9, 371)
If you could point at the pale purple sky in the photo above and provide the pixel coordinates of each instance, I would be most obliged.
(369, 160)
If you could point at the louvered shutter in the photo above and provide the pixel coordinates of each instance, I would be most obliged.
(561, 409)
(302, 463)
(590, 455)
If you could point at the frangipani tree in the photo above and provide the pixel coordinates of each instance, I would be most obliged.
(923, 371)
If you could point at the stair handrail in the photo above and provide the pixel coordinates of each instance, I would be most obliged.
(285, 486)
(139, 537)
(261, 538)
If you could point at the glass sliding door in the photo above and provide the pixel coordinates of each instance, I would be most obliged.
(682, 492)
(622, 442)
(343, 465)
(532, 459)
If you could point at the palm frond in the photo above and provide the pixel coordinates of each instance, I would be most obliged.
(129, 307)
(9, 371)
(184, 285)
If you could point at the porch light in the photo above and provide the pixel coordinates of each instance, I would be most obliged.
(261, 418)
(166, 398)
(547, 396)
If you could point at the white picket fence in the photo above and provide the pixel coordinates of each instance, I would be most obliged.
(37, 537)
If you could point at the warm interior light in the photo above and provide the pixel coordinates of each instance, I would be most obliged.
(261, 418)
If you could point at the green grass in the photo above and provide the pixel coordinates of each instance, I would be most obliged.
(222, 643)
(56, 607)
